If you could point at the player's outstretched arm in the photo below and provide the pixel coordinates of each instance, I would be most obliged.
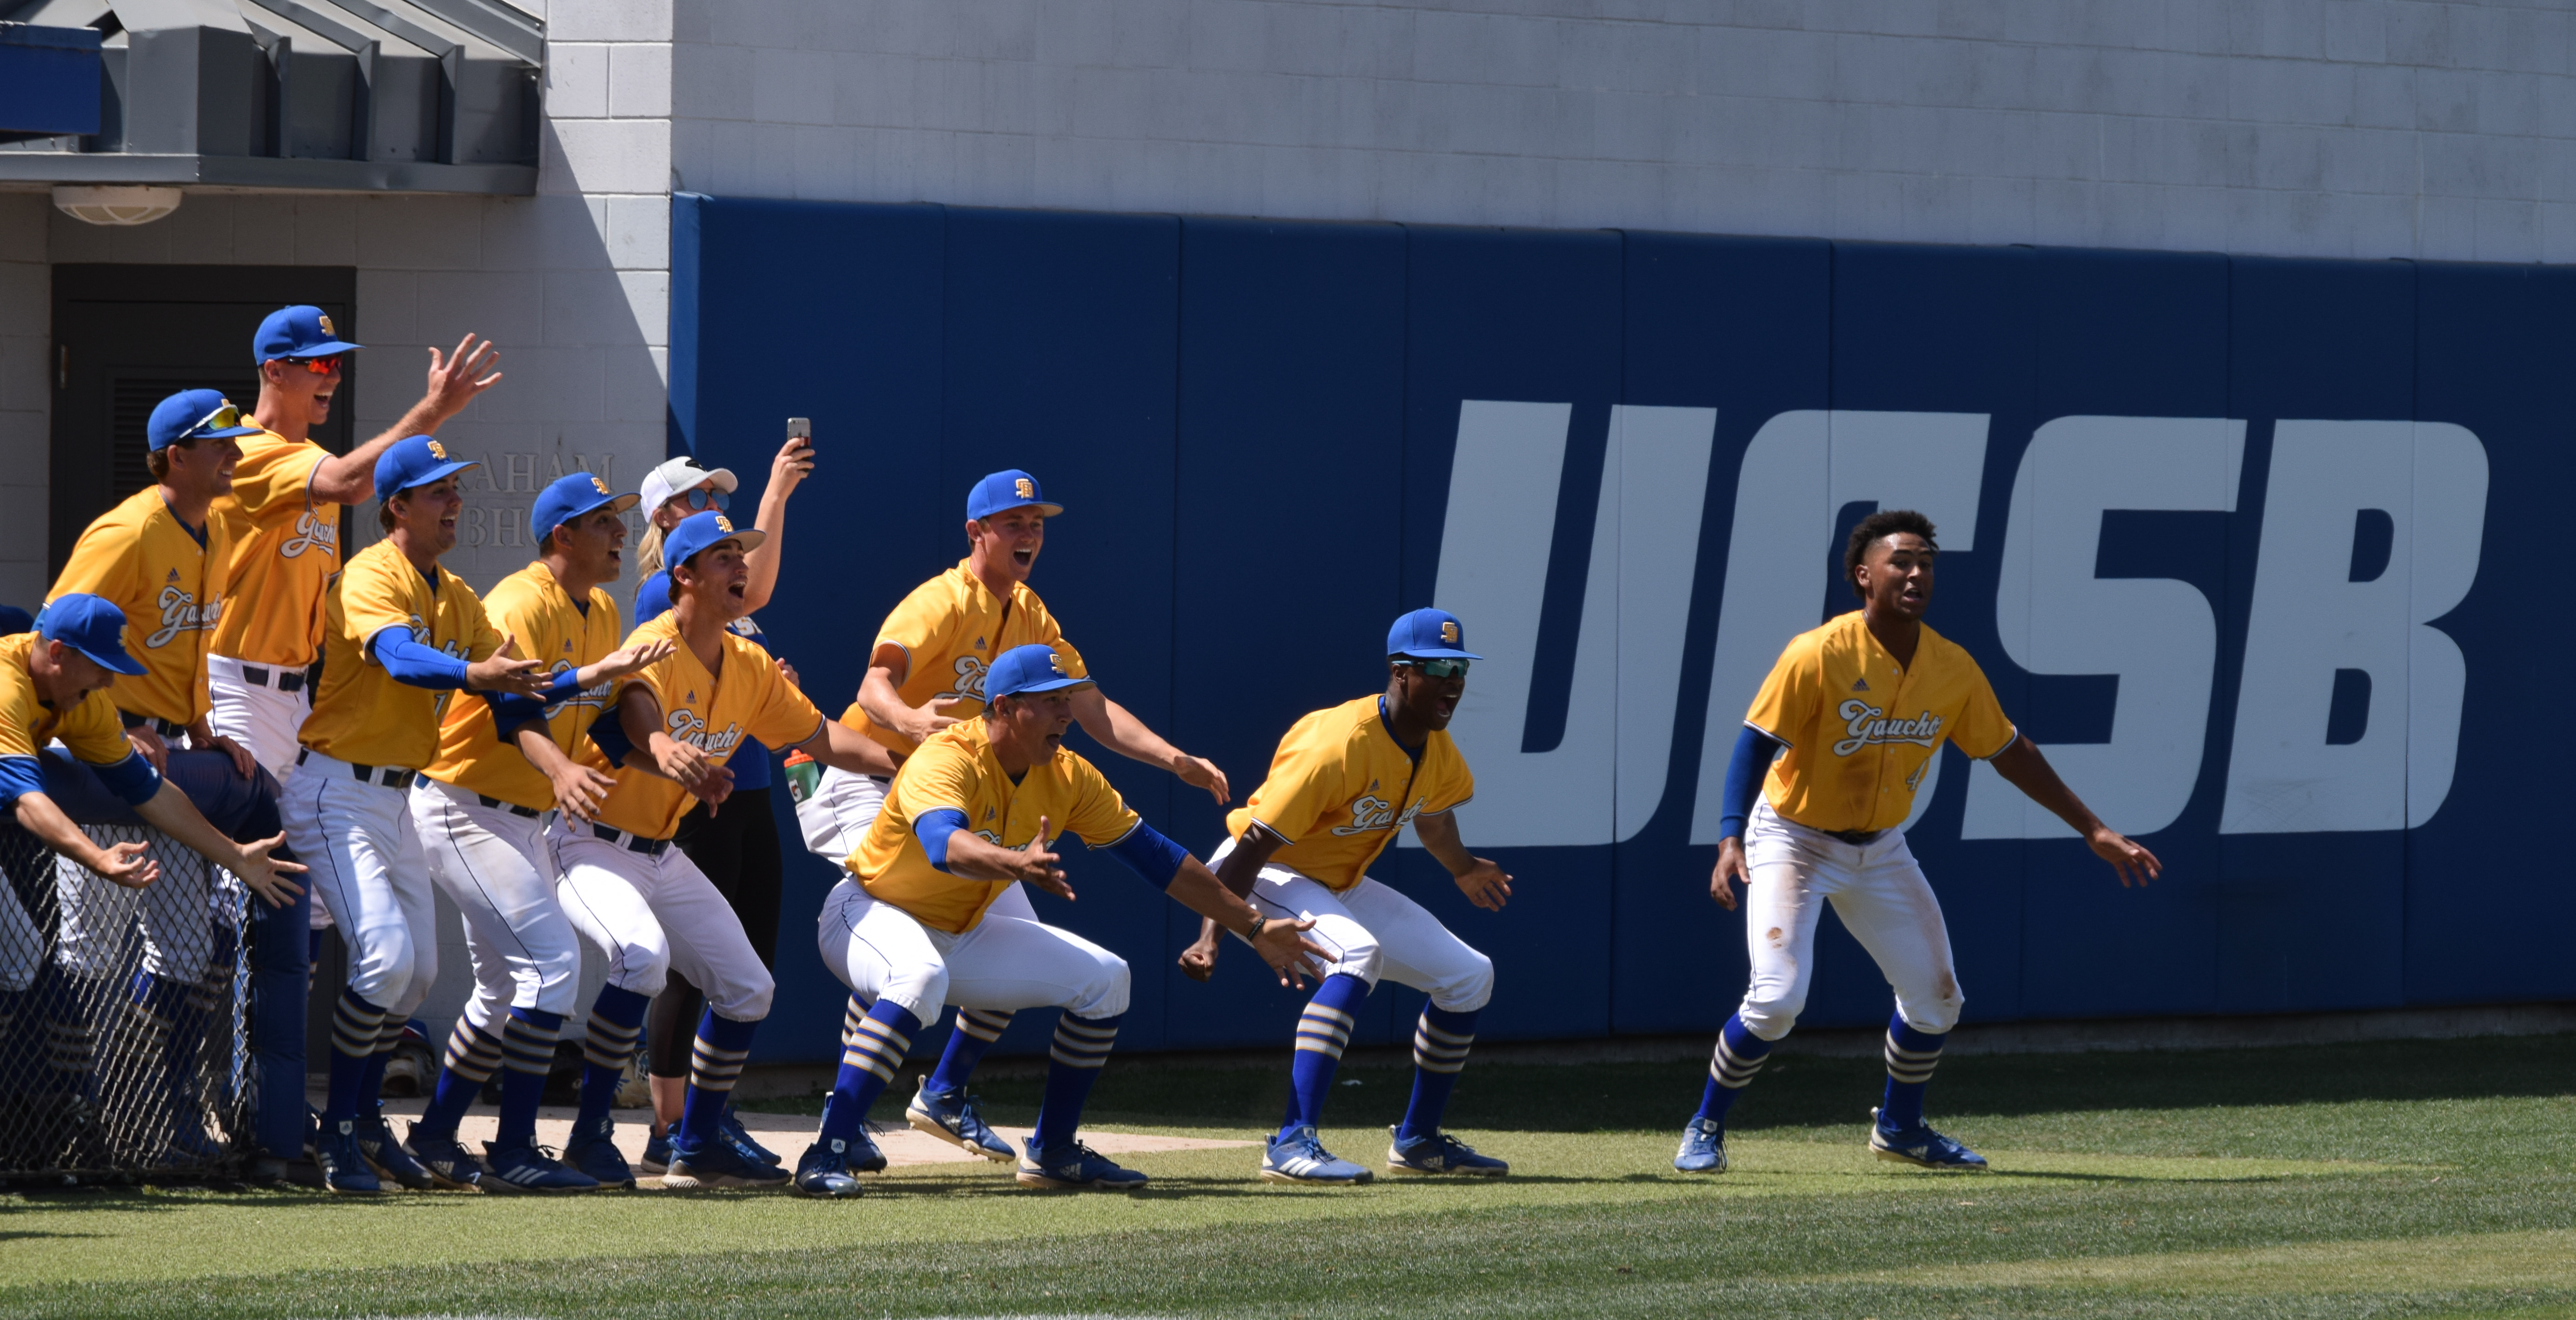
(170, 812)
(579, 789)
(1236, 871)
(1483, 882)
(124, 863)
(454, 380)
(1117, 728)
(1281, 943)
(639, 715)
(844, 748)
(973, 857)
(2022, 765)
(884, 705)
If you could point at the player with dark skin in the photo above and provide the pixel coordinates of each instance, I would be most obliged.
(1895, 578)
(1417, 706)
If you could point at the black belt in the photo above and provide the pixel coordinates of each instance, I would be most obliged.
(636, 843)
(1856, 838)
(285, 680)
(387, 775)
(154, 722)
(523, 813)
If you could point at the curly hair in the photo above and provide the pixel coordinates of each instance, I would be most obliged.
(1868, 531)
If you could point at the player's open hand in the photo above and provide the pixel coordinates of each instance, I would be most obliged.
(126, 864)
(1200, 772)
(265, 874)
(244, 764)
(923, 721)
(626, 660)
(1284, 946)
(1038, 866)
(504, 672)
(2130, 859)
(147, 741)
(579, 789)
(1485, 885)
(455, 379)
(1198, 962)
(1730, 872)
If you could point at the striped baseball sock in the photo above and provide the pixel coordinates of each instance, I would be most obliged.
(1739, 1055)
(1440, 1042)
(1322, 1034)
(71, 1046)
(873, 1043)
(371, 1082)
(473, 1054)
(354, 1025)
(1081, 1049)
(722, 1046)
(527, 1058)
(1911, 1056)
(975, 1031)
(616, 1019)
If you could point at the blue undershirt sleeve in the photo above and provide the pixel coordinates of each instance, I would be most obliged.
(1150, 854)
(19, 776)
(1744, 770)
(933, 829)
(132, 779)
(410, 662)
(610, 736)
(513, 713)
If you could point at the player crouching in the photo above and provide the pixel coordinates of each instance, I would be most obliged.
(1345, 779)
(912, 928)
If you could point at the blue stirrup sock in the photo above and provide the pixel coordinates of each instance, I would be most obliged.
(355, 1024)
(1081, 1048)
(527, 1057)
(873, 1043)
(1739, 1055)
(473, 1055)
(1440, 1042)
(723, 1045)
(1911, 1057)
(371, 1081)
(1323, 1032)
(608, 1042)
(974, 1033)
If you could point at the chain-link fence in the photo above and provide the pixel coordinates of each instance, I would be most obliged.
(124, 1025)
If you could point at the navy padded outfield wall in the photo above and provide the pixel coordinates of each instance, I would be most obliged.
(2238, 540)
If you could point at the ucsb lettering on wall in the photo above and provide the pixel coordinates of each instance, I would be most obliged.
(2258, 550)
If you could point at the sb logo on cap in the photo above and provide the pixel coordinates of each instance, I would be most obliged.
(1026, 488)
(597, 484)
(324, 320)
(1055, 663)
(1449, 632)
(438, 451)
(722, 525)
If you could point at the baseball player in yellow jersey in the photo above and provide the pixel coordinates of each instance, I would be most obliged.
(1861, 706)
(283, 517)
(927, 673)
(503, 764)
(1345, 779)
(401, 636)
(975, 809)
(640, 900)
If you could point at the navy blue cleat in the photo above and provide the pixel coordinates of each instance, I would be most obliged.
(729, 1126)
(387, 1156)
(1703, 1148)
(1299, 1157)
(450, 1165)
(529, 1169)
(718, 1164)
(1074, 1165)
(657, 1154)
(1439, 1153)
(825, 1170)
(592, 1149)
(1922, 1147)
(951, 1117)
(344, 1170)
(863, 1152)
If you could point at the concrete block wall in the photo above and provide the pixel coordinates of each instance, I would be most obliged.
(2363, 128)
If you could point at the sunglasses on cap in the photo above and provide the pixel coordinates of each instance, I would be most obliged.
(1440, 668)
(702, 498)
(223, 418)
(320, 366)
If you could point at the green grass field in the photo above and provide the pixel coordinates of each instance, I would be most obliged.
(2398, 1179)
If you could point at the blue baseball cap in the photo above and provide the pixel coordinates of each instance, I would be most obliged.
(1429, 635)
(570, 498)
(14, 621)
(1031, 668)
(297, 332)
(1009, 488)
(91, 626)
(415, 460)
(193, 415)
(700, 530)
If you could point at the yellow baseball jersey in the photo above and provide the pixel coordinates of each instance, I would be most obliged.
(750, 698)
(361, 713)
(285, 545)
(90, 728)
(1862, 729)
(955, 770)
(140, 556)
(531, 606)
(1340, 786)
(952, 627)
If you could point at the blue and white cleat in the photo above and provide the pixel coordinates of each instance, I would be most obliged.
(1075, 1165)
(592, 1149)
(344, 1170)
(387, 1157)
(729, 1126)
(1922, 1147)
(1300, 1157)
(824, 1170)
(951, 1117)
(1438, 1153)
(529, 1169)
(863, 1153)
(1703, 1148)
(718, 1164)
(450, 1165)
(657, 1154)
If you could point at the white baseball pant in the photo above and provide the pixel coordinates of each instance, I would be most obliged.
(838, 815)
(1376, 932)
(498, 868)
(1002, 965)
(1879, 892)
(263, 719)
(652, 913)
(365, 863)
